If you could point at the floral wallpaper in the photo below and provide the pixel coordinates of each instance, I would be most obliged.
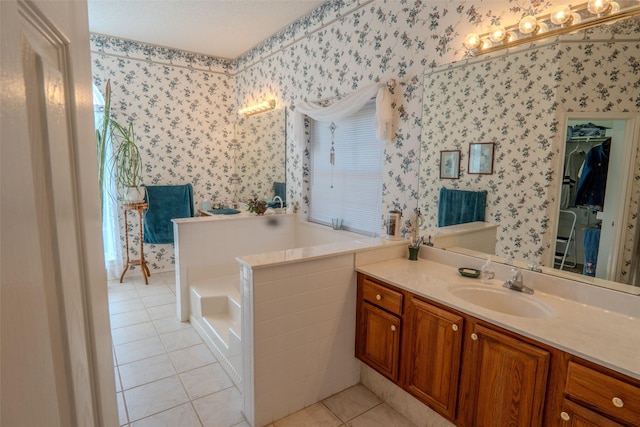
(501, 101)
(339, 47)
(517, 101)
(182, 108)
(260, 154)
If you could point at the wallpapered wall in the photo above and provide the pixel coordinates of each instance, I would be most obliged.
(183, 110)
(337, 48)
(516, 101)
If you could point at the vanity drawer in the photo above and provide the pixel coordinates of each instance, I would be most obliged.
(382, 296)
(609, 395)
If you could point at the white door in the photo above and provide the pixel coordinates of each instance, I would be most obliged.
(55, 342)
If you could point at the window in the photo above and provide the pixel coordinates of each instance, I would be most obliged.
(351, 188)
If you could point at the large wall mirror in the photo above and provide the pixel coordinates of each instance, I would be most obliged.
(260, 152)
(524, 102)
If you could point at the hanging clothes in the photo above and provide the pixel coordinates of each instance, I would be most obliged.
(591, 241)
(593, 178)
(572, 164)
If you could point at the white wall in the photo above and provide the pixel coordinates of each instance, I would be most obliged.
(298, 331)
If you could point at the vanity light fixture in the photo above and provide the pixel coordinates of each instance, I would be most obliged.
(599, 7)
(561, 15)
(562, 20)
(257, 108)
(498, 33)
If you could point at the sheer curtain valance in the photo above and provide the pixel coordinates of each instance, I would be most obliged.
(347, 106)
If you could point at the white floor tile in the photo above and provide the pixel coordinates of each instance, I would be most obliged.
(133, 333)
(205, 380)
(191, 357)
(351, 402)
(180, 339)
(170, 324)
(140, 349)
(221, 409)
(117, 377)
(180, 416)
(156, 300)
(125, 306)
(313, 416)
(155, 397)
(381, 416)
(145, 371)
(154, 289)
(129, 318)
(123, 295)
(122, 411)
(162, 311)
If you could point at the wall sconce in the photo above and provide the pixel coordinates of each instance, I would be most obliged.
(562, 20)
(260, 107)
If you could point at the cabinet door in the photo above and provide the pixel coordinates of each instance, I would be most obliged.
(505, 381)
(379, 340)
(574, 415)
(431, 355)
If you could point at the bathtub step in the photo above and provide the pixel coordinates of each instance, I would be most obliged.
(224, 326)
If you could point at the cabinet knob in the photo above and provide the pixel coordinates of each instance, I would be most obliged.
(378, 297)
(393, 328)
(565, 416)
(617, 402)
(454, 327)
(474, 337)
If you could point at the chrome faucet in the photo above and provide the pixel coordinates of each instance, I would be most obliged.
(515, 283)
(281, 202)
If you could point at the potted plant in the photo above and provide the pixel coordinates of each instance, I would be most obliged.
(101, 142)
(257, 206)
(126, 163)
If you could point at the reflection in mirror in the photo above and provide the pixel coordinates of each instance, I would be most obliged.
(259, 155)
(521, 101)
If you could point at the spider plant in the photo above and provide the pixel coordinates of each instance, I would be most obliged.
(102, 140)
(126, 162)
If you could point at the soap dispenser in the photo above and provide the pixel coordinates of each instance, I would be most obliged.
(486, 274)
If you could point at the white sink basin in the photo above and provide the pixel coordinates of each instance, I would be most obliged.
(502, 300)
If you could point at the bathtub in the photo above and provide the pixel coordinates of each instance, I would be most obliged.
(208, 275)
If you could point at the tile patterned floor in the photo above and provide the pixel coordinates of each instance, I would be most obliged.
(166, 375)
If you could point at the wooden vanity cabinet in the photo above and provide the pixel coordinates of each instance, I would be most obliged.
(599, 397)
(477, 374)
(431, 355)
(574, 415)
(379, 326)
(504, 380)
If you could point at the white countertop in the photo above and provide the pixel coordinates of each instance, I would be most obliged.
(605, 337)
(289, 256)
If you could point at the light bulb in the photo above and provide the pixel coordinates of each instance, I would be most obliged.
(598, 7)
(561, 15)
(615, 7)
(497, 34)
(575, 18)
(485, 44)
(511, 36)
(472, 41)
(528, 24)
(542, 28)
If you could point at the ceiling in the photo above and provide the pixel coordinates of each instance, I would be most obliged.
(225, 29)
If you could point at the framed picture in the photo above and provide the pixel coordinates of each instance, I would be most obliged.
(450, 164)
(481, 157)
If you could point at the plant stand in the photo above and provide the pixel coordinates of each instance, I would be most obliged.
(140, 208)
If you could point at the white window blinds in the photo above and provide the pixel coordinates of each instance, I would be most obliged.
(351, 188)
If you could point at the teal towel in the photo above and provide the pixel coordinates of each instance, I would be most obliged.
(224, 211)
(166, 202)
(460, 206)
(280, 189)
